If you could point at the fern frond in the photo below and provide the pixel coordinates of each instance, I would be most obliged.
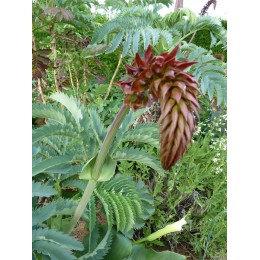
(138, 156)
(42, 190)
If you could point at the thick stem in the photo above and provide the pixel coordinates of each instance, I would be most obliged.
(108, 140)
(82, 204)
(98, 166)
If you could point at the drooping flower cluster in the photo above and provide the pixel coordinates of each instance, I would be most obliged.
(162, 78)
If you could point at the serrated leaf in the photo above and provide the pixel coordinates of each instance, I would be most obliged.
(220, 94)
(42, 190)
(146, 38)
(139, 156)
(74, 183)
(55, 251)
(71, 104)
(54, 130)
(97, 125)
(211, 90)
(48, 112)
(204, 85)
(127, 44)
(140, 136)
(58, 237)
(136, 39)
(101, 250)
(47, 164)
(116, 42)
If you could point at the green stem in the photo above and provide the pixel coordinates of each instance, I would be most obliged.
(82, 204)
(108, 140)
(98, 166)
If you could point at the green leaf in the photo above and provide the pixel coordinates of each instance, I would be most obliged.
(57, 207)
(74, 183)
(47, 164)
(92, 214)
(106, 173)
(97, 125)
(127, 44)
(54, 130)
(42, 190)
(211, 90)
(101, 250)
(139, 156)
(53, 250)
(49, 112)
(43, 213)
(141, 136)
(58, 237)
(146, 38)
(116, 42)
(120, 249)
(136, 39)
(71, 104)
(140, 253)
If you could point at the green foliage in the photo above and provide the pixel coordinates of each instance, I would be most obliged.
(133, 26)
(124, 203)
(139, 253)
(132, 154)
(196, 188)
(186, 23)
(204, 39)
(209, 72)
(88, 47)
(42, 190)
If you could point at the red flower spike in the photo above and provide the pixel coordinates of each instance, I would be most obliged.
(163, 78)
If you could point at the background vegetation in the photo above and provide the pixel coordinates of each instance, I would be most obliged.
(76, 50)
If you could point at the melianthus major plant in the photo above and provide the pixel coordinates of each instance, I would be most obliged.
(154, 78)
